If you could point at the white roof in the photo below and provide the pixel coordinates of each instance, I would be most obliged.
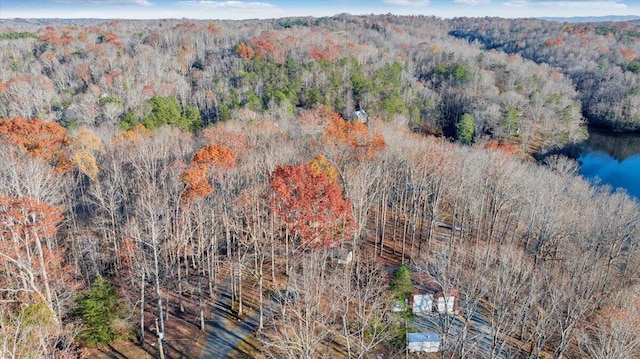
(423, 337)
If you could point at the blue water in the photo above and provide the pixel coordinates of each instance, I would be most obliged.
(602, 168)
(613, 159)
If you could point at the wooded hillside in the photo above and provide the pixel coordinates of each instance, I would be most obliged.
(600, 58)
(150, 167)
(405, 69)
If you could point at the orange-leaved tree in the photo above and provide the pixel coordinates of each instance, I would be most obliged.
(504, 147)
(245, 52)
(196, 176)
(30, 261)
(351, 139)
(319, 116)
(231, 136)
(215, 155)
(38, 138)
(132, 136)
(353, 150)
(312, 205)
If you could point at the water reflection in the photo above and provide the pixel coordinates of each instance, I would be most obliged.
(614, 159)
(618, 145)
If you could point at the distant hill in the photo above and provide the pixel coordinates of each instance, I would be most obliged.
(35, 23)
(578, 19)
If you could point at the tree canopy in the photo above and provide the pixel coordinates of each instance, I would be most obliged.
(165, 111)
(312, 205)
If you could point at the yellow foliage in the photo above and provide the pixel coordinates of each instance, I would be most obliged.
(84, 146)
(86, 163)
(319, 164)
(85, 139)
(134, 134)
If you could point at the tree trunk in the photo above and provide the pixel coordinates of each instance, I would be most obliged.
(240, 306)
(142, 309)
(160, 331)
(160, 346)
(45, 278)
(180, 302)
(201, 306)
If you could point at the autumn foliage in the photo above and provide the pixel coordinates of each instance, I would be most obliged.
(330, 53)
(311, 205)
(196, 176)
(263, 45)
(26, 216)
(319, 116)
(215, 155)
(320, 165)
(198, 185)
(503, 146)
(245, 52)
(85, 145)
(24, 224)
(133, 135)
(111, 38)
(46, 140)
(229, 139)
(354, 135)
(628, 55)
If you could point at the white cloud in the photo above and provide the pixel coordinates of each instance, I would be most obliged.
(227, 4)
(108, 2)
(135, 2)
(472, 2)
(588, 4)
(407, 2)
(230, 10)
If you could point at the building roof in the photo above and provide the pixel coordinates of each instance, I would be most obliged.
(359, 115)
(423, 337)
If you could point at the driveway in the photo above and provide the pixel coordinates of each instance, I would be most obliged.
(226, 330)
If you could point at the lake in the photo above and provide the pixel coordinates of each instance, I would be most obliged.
(613, 159)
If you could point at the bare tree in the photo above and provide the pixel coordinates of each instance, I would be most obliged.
(304, 315)
(365, 312)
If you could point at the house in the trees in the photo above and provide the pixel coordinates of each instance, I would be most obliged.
(422, 303)
(430, 297)
(359, 115)
(446, 304)
(423, 342)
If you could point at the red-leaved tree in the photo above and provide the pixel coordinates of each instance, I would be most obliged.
(312, 205)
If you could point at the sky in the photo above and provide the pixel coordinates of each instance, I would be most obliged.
(250, 9)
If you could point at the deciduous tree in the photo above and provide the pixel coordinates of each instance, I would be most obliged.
(38, 138)
(311, 205)
(29, 252)
(197, 175)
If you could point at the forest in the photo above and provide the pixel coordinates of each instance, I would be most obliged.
(151, 168)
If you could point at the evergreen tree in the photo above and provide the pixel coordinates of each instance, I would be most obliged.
(465, 129)
(98, 309)
(401, 284)
(510, 122)
(165, 111)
